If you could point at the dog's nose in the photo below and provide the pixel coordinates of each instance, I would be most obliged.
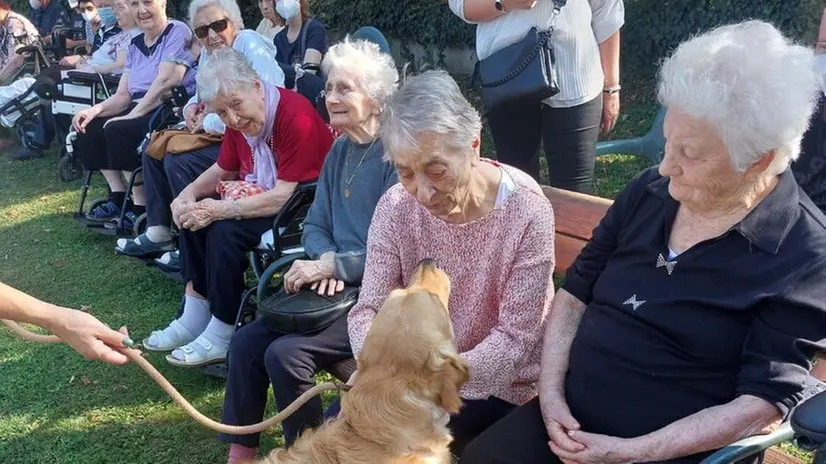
(429, 262)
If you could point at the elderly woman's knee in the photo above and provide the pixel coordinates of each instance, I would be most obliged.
(284, 356)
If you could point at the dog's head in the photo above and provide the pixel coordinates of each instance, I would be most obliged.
(411, 341)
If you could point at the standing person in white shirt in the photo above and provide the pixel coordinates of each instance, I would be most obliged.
(586, 44)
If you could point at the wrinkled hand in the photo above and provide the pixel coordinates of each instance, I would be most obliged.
(194, 117)
(518, 4)
(71, 61)
(599, 449)
(88, 336)
(180, 206)
(559, 423)
(304, 272)
(610, 112)
(328, 287)
(201, 214)
(83, 118)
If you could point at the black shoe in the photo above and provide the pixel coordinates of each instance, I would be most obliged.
(27, 153)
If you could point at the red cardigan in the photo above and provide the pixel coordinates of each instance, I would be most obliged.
(301, 141)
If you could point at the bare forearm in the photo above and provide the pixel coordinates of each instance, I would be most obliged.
(266, 204)
(609, 55)
(478, 11)
(707, 430)
(18, 306)
(566, 313)
(114, 105)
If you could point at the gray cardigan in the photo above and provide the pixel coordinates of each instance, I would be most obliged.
(338, 223)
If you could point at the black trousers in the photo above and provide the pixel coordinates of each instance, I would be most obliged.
(115, 147)
(472, 420)
(568, 135)
(214, 260)
(164, 179)
(521, 438)
(258, 356)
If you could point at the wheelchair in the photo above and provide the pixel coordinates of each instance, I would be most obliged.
(806, 429)
(163, 116)
(279, 248)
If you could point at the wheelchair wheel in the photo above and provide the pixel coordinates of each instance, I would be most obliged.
(68, 169)
(140, 225)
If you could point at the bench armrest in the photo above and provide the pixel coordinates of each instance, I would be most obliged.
(750, 446)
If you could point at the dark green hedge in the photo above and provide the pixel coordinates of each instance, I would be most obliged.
(653, 27)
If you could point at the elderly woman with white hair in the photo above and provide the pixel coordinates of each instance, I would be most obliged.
(690, 319)
(488, 225)
(217, 24)
(274, 140)
(360, 79)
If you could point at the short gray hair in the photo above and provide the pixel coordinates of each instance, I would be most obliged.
(751, 83)
(230, 7)
(376, 71)
(226, 71)
(429, 103)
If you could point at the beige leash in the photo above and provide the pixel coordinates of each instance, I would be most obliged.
(135, 357)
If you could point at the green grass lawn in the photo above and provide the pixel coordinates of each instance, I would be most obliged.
(55, 407)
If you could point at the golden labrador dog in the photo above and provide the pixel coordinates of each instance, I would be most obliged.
(406, 386)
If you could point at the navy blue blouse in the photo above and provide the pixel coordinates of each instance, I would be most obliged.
(741, 314)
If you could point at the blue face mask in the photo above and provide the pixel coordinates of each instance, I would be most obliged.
(107, 16)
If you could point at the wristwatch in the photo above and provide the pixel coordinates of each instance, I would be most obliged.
(500, 6)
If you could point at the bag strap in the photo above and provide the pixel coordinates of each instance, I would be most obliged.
(304, 30)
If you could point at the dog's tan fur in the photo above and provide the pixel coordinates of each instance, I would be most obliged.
(408, 380)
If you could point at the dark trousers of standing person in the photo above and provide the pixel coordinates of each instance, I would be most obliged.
(214, 260)
(568, 135)
(164, 179)
(521, 438)
(810, 167)
(259, 356)
(472, 420)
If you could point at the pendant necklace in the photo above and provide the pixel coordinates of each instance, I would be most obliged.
(347, 162)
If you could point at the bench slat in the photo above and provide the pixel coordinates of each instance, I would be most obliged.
(576, 214)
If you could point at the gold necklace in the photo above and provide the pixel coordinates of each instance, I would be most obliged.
(347, 162)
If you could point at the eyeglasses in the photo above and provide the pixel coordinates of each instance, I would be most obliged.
(217, 26)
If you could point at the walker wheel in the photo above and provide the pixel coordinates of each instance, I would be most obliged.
(68, 169)
(140, 225)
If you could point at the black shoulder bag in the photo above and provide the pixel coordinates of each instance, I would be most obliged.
(306, 311)
(522, 72)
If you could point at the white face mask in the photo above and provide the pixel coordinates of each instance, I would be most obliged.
(288, 9)
(35, 4)
(90, 16)
(73, 4)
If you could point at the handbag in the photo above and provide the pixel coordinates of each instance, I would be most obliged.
(306, 311)
(176, 141)
(237, 189)
(522, 72)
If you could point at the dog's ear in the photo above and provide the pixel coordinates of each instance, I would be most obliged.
(452, 372)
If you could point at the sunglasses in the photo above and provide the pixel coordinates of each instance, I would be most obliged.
(217, 26)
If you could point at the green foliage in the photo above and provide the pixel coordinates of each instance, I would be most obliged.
(653, 27)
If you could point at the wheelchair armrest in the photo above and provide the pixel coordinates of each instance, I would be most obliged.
(27, 49)
(308, 187)
(80, 77)
(809, 421)
(750, 446)
(277, 266)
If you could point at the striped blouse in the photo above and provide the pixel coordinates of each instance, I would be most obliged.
(580, 27)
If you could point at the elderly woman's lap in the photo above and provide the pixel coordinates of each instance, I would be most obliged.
(519, 438)
(115, 146)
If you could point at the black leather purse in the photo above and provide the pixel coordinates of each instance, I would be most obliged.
(522, 72)
(306, 311)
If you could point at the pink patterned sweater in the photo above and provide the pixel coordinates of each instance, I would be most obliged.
(501, 268)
